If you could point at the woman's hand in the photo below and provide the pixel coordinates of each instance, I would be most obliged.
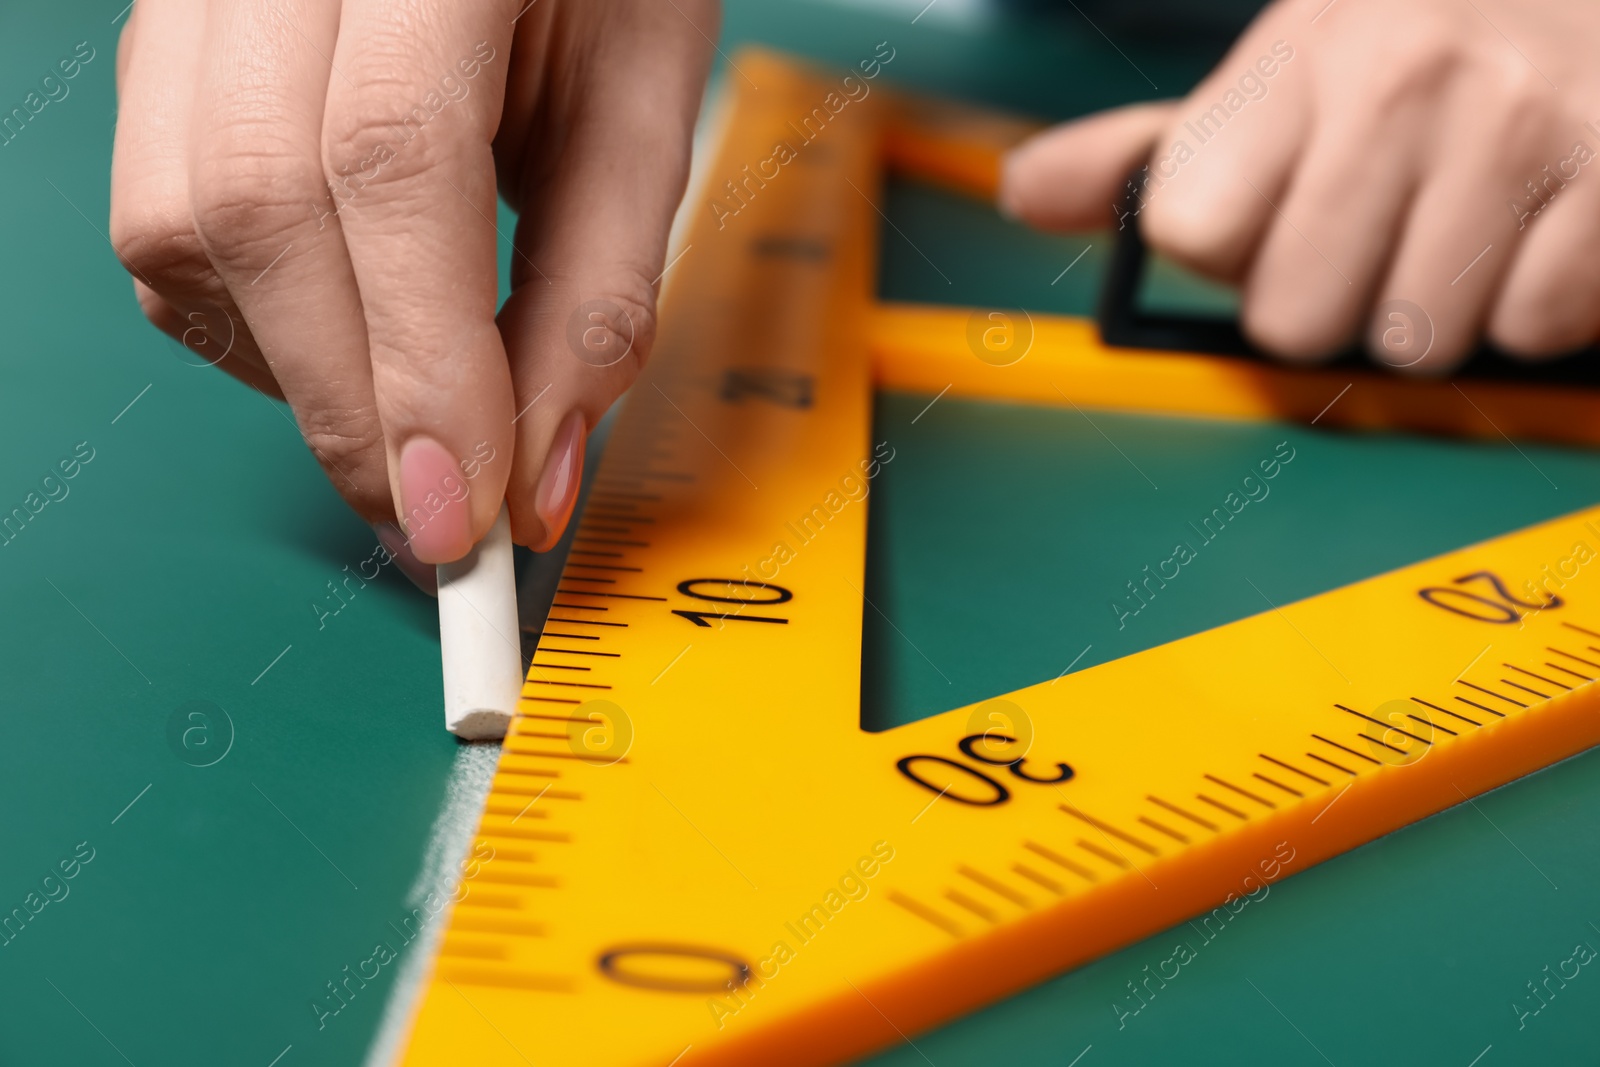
(304, 192)
(1355, 162)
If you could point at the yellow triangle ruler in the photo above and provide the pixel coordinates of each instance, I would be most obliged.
(693, 854)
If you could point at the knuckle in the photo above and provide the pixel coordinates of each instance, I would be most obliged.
(386, 137)
(244, 197)
(159, 247)
(616, 330)
(351, 451)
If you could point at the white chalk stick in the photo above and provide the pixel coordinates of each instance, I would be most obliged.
(478, 637)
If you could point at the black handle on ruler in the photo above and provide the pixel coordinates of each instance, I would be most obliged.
(1123, 325)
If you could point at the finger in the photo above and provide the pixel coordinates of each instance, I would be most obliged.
(411, 110)
(1329, 239)
(269, 227)
(1550, 302)
(189, 331)
(1227, 155)
(1074, 176)
(597, 210)
(1459, 240)
(152, 228)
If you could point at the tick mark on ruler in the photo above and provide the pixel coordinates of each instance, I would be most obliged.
(702, 433)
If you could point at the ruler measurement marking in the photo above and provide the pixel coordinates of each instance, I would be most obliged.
(1039, 879)
(1352, 751)
(603, 761)
(1481, 707)
(1197, 820)
(1182, 839)
(610, 541)
(1220, 806)
(1447, 711)
(1540, 677)
(1565, 670)
(998, 888)
(1386, 725)
(1110, 857)
(596, 552)
(923, 912)
(1432, 725)
(1491, 692)
(1525, 689)
(1107, 828)
(1060, 861)
(568, 637)
(1274, 782)
(579, 651)
(1569, 655)
(603, 567)
(578, 607)
(982, 911)
(588, 622)
(618, 596)
(1385, 744)
(559, 667)
(1335, 766)
(1292, 767)
(1580, 629)
(573, 685)
(582, 578)
(1242, 792)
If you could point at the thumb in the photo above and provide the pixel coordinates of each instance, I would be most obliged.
(1071, 176)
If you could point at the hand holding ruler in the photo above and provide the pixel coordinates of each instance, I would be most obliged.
(693, 854)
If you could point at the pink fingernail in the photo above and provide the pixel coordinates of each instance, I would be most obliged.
(558, 485)
(435, 511)
(423, 575)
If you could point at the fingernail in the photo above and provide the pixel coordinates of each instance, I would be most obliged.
(434, 502)
(558, 485)
(423, 575)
